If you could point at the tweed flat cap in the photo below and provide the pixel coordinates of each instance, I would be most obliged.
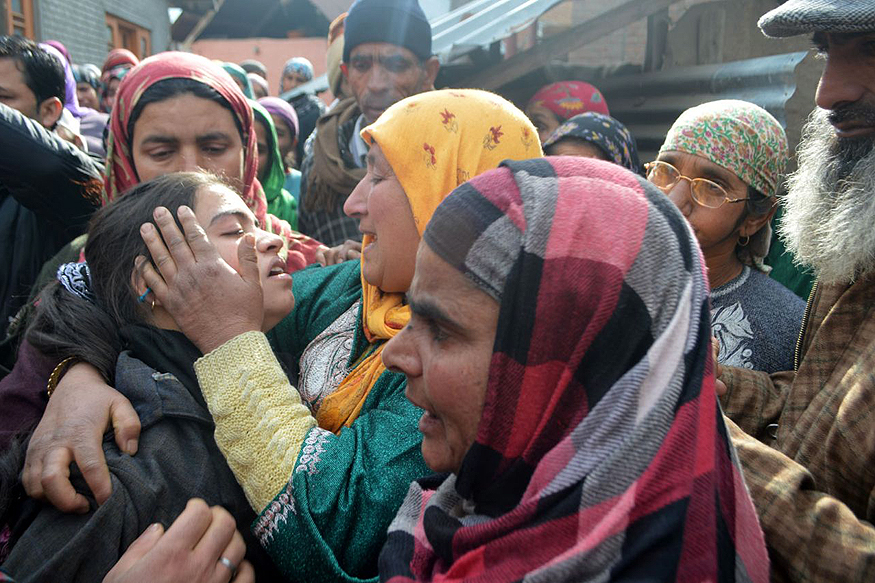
(802, 16)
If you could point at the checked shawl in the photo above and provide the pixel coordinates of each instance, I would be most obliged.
(601, 453)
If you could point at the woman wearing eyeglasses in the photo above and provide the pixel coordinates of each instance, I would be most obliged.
(721, 165)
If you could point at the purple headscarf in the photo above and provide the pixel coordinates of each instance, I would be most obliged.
(71, 102)
(282, 108)
(60, 46)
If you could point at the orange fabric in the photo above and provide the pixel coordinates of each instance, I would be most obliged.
(459, 133)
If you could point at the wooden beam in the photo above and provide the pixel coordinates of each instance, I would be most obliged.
(204, 21)
(565, 42)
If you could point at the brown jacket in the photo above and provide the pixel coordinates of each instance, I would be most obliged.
(812, 475)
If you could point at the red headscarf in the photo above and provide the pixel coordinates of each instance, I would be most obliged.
(569, 98)
(121, 174)
(118, 58)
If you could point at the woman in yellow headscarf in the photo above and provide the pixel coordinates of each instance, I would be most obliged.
(327, 462)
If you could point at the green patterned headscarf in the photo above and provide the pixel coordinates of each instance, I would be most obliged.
(279, 201)
(739, 136)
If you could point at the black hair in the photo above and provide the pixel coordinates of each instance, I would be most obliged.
(756, 247)
(758, 204)
(67, 325)
(43, 73)
(168, 88)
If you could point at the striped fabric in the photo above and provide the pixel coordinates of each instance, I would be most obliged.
(601, 454)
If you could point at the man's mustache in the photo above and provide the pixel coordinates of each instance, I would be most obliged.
(861, 113)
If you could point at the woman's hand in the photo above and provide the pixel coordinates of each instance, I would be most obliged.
(719, 386)
(82, 407)
(210, 301)
(201, 546)
(334, 255)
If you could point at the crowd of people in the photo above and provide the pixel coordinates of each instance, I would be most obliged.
(424, 334)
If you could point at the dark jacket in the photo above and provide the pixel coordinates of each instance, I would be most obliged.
(177, 460)
(48, 191)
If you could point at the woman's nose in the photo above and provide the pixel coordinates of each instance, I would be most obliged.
(356, 205)
(399, 355)
(682, 196)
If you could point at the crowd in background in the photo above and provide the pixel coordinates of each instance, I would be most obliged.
(425, 334)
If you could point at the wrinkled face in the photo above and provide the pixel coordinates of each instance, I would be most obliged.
(262, 141)
(87, 96)
(13, 90)
(291, 80)
(847, 86)
(381, 74)
(445, 352)
(544, 120)
(383, 211)
(187, 134)
(226, 219)
(717, 230)
(284, 138)
(577, 147)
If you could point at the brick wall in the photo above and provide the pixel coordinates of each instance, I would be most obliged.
(81, 25)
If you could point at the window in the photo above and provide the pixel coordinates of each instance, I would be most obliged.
(19, 17)
(126, 35)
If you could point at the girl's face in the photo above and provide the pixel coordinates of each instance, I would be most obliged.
(544, 120)
(226, 219)
(186, 133)
(87, 95)
(263, 141)
(284, 138)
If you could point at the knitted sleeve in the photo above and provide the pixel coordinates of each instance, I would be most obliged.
(260, 420)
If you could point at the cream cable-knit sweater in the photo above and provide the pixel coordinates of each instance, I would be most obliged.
(260, 419)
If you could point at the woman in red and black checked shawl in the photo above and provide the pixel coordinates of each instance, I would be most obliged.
(600, 452)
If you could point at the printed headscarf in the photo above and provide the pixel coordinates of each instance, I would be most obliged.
(282, 108)
(569, 98)
(238, 74)
(736, 135)
(601, 453)
(71, 100)
(603, 131)
(116, 66)
(301, 66)
(120, 172)
(279, 202)
(119, 58)
(87, 73)
(459, 134)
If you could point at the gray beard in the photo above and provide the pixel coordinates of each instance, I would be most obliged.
(829, 218)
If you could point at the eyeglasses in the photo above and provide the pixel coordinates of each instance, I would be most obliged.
(705, 192)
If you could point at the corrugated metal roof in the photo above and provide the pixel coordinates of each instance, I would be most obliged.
(483, 22)
(475, 24)
(650, 102)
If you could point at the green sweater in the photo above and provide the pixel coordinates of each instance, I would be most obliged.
(328, 521)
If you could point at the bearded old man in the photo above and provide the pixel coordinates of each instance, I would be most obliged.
(806, 438)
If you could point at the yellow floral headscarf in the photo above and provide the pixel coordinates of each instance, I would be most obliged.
(434, 142)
